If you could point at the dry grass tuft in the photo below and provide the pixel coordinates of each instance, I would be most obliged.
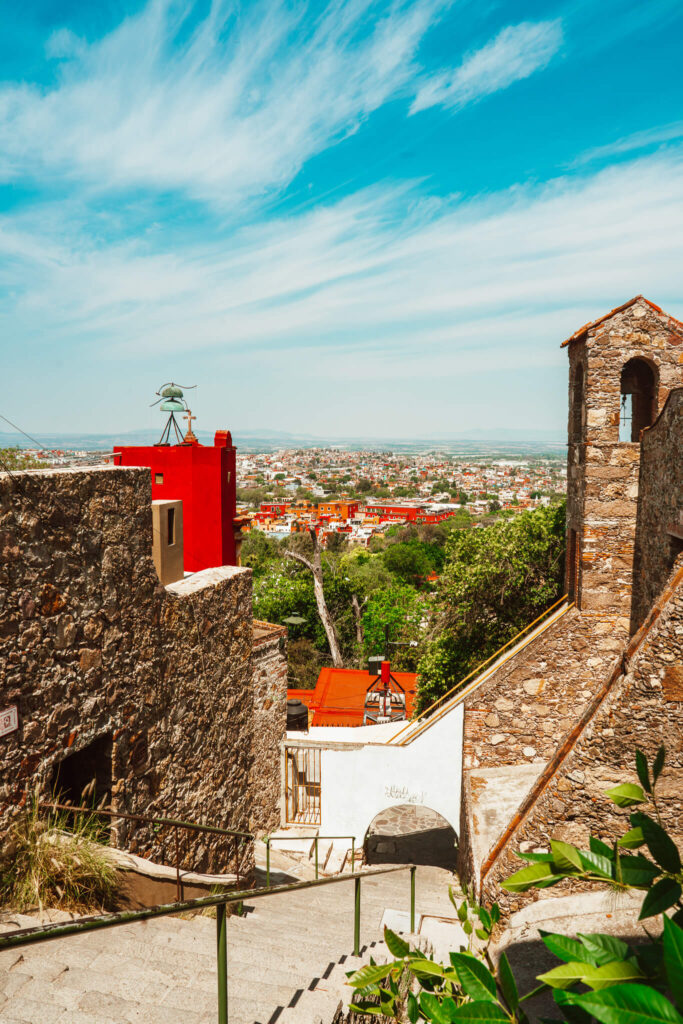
(47, 865)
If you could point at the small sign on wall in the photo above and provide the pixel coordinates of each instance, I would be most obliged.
(9, 720)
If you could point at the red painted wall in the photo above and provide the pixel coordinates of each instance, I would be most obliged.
(203, 478)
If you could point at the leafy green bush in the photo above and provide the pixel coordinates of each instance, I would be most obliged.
(601, 978)
(495, 581)
(45, 863)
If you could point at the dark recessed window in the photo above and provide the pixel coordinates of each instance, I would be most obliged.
(170, 533)
(158, 478)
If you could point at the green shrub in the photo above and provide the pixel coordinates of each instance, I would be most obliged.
(600, 977)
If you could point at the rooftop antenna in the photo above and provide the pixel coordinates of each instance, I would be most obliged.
(172, 401)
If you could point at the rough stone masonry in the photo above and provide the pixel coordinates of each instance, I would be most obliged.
(102, 661)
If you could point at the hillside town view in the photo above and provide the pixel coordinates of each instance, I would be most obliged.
(341, 512)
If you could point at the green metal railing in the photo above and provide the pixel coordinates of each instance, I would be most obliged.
(45, 933)
(269, 838)
(147, 819)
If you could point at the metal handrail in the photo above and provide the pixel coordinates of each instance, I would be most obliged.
(268, 838)
(474, 671)
(45, 933)
(151, 820)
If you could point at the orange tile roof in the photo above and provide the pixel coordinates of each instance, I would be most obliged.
(339, 695)
(618, 309)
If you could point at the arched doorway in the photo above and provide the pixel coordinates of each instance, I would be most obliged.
(410, 834)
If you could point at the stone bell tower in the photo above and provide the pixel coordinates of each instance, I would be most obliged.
(621, 369)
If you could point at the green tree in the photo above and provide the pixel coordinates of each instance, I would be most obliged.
(495, 580)
(14, 459)
(401, 612)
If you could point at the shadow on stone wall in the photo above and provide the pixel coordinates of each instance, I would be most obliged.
(411, 834)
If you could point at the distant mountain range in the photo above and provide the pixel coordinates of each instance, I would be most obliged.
(471, 442)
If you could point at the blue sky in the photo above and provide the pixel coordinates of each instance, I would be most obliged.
(352, 218)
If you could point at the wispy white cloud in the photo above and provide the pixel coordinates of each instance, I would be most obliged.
(224, 110)
(631, 143)
(515, 53)
(420, 288)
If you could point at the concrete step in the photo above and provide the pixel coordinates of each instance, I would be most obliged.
(287, 961)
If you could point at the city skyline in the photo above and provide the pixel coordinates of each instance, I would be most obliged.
(363, 219)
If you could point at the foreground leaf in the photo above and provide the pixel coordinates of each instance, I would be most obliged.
(643, 771)
(536, 874)
(626, 795)
(568, 949)
(397, 946)
(661, 896)
(625, 1004)
(632, 839)
(507, 983)
(474, 976)
(565, 856)
(661, 846)
(371, 974)
(673, 959)
(480, 1011)
(605, 948)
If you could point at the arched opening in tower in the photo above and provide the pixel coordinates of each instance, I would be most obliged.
(638, 407)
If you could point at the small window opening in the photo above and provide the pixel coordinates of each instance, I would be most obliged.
(85, 777)
(158, 478)
(170, 531)
(638, 399)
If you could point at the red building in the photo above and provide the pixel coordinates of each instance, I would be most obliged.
(339, 697)
(203, 478)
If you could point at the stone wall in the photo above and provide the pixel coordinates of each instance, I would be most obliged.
(93, 647)
(270, 724)
(603, 472)
(642, 708)
(659, 531)
(518, 715)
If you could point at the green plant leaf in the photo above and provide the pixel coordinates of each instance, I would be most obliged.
(495, 913)
(467, 927)
(565, 856)
(596, 864)
(432, 1009)
(507, 983)
(597, 846)
(462, 911)
(626, 1004)
(632, 839)
(397, 946)
(485, 918)
(643, 771)
(481, 1012)
(536, 874)
(535, 858)
(413, 1009)
(420, 965)
(605, 948)
(626, 795)
(371, 974)
(661, 846)
(567, 949)
(565, 975)
(659, 762)
(364, 1006)
(613, 973)
(638, 871)
(673, 959)
(660, 897)
(474, 976)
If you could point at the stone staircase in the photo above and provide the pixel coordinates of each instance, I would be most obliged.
(287, 960)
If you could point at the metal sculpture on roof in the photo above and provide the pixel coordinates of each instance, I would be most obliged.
(171, 400)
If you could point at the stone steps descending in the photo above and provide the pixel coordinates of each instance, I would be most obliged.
(287, 960)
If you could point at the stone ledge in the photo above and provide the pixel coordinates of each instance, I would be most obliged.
(206, 578)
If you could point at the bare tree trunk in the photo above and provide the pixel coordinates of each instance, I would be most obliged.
(316, 569)
(357, 609)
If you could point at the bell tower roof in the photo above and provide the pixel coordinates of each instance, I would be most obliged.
(582, 331)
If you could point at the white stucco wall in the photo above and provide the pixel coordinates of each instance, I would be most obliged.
(358, 783)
